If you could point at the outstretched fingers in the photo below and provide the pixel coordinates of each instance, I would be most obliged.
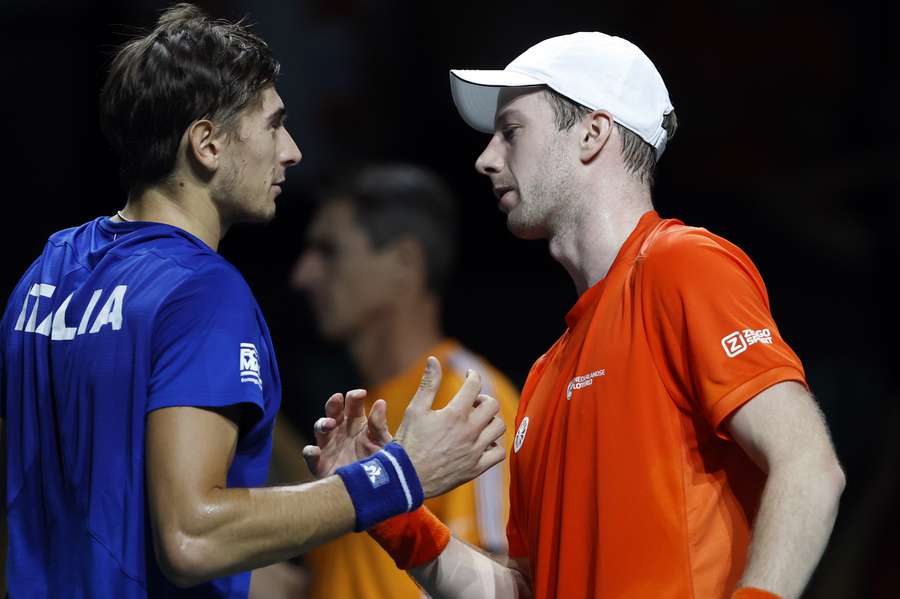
(311, 455)
(334, 407)
(334, 415)
(355, 404)
(377, 424)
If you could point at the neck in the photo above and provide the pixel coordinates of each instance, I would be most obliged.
(390, 344)
(181, 205)
(586, 243)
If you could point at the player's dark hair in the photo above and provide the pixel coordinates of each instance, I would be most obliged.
(189, 67)
(638, 155)
(395, 200)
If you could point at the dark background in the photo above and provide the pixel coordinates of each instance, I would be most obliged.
(789, 146)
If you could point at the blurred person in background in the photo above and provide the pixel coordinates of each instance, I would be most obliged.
(138, 381)
(379, 254)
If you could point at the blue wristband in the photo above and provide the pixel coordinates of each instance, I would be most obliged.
(382, 486)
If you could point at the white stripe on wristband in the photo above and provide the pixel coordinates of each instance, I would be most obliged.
(377, 495)
(401, 477)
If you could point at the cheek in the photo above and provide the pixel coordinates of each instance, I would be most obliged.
(347, 288)
(517, 166)
(363, 287)
(232, 173)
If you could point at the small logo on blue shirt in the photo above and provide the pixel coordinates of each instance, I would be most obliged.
(378, 476)
(250, 365)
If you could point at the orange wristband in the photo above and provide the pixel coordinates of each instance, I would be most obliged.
(412, 539)
(751, 593)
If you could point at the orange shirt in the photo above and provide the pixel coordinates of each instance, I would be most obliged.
(624, 482)
(354, 566)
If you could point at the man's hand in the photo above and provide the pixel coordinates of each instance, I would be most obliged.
(455, 444)
(345, 435)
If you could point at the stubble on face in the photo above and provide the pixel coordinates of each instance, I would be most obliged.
(544, 190)
(244, 192)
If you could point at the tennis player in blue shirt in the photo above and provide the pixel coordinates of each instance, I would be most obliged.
(138, 383)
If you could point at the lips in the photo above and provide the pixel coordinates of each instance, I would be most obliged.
(504, 195)
(277, 185)
(500, 191)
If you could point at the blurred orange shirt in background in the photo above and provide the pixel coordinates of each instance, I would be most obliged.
(354, 566)
(624, 481)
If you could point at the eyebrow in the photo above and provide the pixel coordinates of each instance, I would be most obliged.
(505, 115)
(279, 116)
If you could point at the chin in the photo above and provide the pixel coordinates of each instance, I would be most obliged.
(524, 230)
(268, 216)
(332, 332)
(262, 214)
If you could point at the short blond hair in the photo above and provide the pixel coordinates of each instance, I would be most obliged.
(639, 156)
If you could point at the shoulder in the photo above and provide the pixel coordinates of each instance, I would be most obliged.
(67, 235)
(214, 284)
(676, 243)
(214, 272)
(676, 254)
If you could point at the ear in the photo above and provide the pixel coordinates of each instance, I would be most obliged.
(205, 143)
(596, 131)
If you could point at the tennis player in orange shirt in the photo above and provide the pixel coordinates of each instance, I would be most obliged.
(667, 446)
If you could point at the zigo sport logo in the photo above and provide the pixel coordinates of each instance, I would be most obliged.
(737, 342)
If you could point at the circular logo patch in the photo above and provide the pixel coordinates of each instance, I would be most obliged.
(520, 435)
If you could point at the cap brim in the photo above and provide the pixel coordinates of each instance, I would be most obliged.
(475, 94)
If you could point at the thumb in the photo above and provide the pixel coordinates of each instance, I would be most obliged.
(428, 386)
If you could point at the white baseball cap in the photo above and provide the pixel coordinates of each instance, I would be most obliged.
(596, 70)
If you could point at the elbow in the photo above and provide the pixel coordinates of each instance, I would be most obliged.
(838, 478)
(182, 558)
(818, 477)
(829, 482)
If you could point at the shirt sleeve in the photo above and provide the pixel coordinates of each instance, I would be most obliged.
(709, 325)
(206, 342)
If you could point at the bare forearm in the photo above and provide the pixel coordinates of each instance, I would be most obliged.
(795, 519)
(462, 572)
(235, 530)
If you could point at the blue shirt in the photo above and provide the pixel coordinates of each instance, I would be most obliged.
(112, 321)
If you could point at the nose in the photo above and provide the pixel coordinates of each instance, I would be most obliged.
(290, 154)
(307, 272)
(490, 162)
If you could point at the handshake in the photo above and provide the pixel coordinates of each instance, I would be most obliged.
(434, 450)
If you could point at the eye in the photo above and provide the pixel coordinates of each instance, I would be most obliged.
(508, 133)
(279, 122)
(324, 249)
